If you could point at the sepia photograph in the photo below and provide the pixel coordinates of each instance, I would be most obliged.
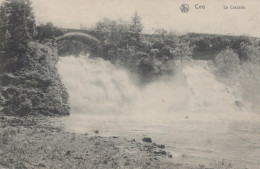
(129, 84)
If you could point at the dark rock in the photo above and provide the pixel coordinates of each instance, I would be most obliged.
(96, 131)
(160, 152)
(147, 139)
(160, 145)
(78, 158)
(68, 153)
(238, 103)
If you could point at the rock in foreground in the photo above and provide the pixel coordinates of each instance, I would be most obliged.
(147, 139)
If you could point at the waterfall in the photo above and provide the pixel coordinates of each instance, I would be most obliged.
(97, 86)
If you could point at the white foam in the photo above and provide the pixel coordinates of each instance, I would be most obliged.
(97, 86)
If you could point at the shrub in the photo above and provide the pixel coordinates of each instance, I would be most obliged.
(245, 75)
(226, 63)
(250, 52)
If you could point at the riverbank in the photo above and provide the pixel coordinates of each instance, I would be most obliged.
(32, 142)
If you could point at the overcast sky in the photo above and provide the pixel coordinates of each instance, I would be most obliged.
(155, 14)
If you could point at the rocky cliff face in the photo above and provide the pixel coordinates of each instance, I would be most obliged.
(35, 87)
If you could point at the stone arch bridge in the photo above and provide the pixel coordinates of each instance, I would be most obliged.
(85, 38)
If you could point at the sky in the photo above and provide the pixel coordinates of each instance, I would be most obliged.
(155, 14)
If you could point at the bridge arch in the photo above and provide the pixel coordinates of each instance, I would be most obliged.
(89, 40)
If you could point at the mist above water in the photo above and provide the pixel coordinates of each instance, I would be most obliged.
(96, 86)
(191, 112)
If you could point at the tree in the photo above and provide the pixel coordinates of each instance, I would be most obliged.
(17, 26)
(113, 36)
(136, 28)
(160, 33)
(47, 31)
(167, 45)
(226, 62)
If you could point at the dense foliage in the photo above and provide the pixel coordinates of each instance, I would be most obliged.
(149, 56)
(17, 26)
(29, 83)
(47, 32)
(123, 43)
(206, 46)
(244, 74)
(227, 62)
(35, 88)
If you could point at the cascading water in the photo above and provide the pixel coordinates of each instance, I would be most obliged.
(191, 112)
(97, 86)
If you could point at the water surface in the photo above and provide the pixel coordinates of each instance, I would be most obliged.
(192, 113)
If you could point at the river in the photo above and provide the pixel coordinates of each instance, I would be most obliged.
(192, 113)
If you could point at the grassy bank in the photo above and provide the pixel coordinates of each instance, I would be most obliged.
(27, 143)
(30, 142)
(33, 143)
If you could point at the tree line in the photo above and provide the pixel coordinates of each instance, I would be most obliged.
(123, 42)
(149, 55)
